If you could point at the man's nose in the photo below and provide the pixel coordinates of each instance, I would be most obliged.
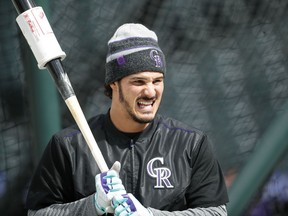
(149, 90)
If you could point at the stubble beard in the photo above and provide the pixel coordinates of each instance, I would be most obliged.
(130, 110)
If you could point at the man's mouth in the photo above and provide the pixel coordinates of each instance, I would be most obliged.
(146, 103)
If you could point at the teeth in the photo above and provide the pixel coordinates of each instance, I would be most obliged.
(145, 103)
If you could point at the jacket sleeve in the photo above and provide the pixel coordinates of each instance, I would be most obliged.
(80, 207)
(207, 187)
(52, 190)
(86, 207)
(52, 180)
(210, 211)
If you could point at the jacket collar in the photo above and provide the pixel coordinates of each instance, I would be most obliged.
(143, 136)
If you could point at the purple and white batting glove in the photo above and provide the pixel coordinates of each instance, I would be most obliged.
(128, 205)
(108, 184)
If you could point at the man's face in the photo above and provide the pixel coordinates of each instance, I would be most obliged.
(139, 95)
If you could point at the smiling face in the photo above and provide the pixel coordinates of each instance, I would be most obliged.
(135, 100)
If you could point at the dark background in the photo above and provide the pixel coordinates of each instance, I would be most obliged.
(226, 74)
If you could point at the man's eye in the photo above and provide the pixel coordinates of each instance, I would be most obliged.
(138, 82)
(157, 81)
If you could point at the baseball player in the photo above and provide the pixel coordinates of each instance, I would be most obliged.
(159, 166)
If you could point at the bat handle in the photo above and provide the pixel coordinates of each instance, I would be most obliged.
(76, 111)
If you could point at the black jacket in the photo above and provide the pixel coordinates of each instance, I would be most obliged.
(169, 166)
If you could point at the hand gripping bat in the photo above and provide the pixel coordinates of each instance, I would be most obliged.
(48, 53)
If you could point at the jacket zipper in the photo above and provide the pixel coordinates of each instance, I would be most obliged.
(132, 164)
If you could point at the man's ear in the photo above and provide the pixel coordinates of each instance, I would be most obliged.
(113, 86)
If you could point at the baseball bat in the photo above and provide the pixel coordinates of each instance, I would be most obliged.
(49, 55)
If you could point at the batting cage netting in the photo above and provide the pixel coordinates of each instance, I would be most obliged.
(227, 73)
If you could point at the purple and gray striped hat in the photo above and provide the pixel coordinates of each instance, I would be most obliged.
(133, 49)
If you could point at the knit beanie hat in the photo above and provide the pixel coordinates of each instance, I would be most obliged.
(133, 49)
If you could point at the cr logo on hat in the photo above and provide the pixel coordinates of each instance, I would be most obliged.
(156, 58)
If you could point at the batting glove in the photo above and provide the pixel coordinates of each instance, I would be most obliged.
(128, 205)
(108, 184)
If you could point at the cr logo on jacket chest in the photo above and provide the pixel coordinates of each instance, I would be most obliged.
(161, 174)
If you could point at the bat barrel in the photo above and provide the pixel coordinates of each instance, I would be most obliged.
(49, 54)
(61, 78)
(23, 5)
(54, 65)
